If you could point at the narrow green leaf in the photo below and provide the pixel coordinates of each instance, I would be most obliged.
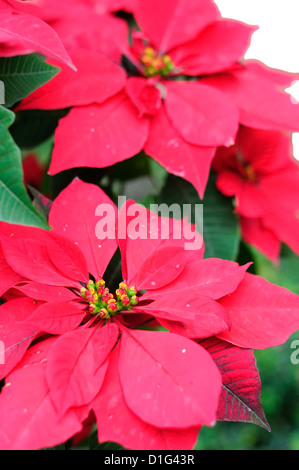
(23, 74)
(220, 225)
(15, 204)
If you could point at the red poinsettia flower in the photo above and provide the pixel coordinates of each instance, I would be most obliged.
(23, 33)
(262, 175)
(186, 91)
(72, 347)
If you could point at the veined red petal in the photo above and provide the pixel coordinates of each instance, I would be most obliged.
(30, 258)
(187, 313)
(16, 336)
(37, 291)
(30, 418)
(278, 77)
(144, 232)
(161, 268)
(159, 383)
(262, 314)
(180, 158)
(261, 103)
(200, 115)
(90, 30)
(8, 277)
(168, 24)
(96, 79)
(211, 277)
(117, 423)
(74, 214)
(220, 46)
(55, 318)
(30, 34)
(99, 135)
(77, 364)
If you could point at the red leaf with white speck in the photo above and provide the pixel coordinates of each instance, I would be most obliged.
(160, 385)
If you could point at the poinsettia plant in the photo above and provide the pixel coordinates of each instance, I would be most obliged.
(147, 178)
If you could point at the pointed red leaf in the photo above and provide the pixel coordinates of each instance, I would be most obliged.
(201, 114)
(56, 318)
(261, 103)
(187, 313)
(177, 156)
(30, 421)
(211, 277)
(99, 135)
(262, 314)
(77, 364)
(100, 33)
(8, 277)
(67, 257)
(22, 34)
(117, 423)
(161, 268)
(143, 231)
(29, 258)
(279, 77)
(240, 399)
(219, 47)
(43, 292)
(15, 336)
(74, 215)
(168, 24)
(159, 383)
(96, 79)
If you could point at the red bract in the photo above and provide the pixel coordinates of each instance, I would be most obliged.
(73, 348)
(262, 175)
(186, 92)
(22, 33)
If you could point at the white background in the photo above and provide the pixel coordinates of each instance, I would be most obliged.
(276, 43)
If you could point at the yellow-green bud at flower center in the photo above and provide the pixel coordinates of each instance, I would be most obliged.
(154, 63)
(103, 303)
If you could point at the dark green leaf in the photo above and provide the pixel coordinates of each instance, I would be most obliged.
(32, 128)
(15, 204)
(219, 226)
(23, 74)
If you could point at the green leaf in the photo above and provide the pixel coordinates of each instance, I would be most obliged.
(219, 226)
(32, 128)
(15, 204)
(285, 273)
(23, 74)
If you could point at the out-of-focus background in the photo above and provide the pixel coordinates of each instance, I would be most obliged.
(276, 44)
